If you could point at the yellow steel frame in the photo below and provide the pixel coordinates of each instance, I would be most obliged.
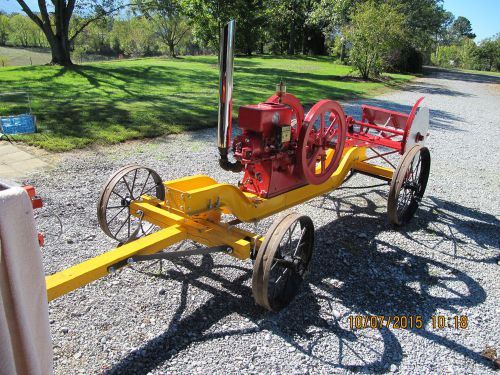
(192, 210)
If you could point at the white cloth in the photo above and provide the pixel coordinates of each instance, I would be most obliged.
(25, 343)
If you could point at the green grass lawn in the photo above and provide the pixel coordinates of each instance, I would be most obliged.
(108, 102)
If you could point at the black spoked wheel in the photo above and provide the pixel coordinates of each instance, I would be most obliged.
(283, 261)
(113, 208)
(408, 184)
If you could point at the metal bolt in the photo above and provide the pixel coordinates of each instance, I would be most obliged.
(229, 250)
(111, 269)
(130, 260)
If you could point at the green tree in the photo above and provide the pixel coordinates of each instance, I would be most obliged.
(93, 39)
(330, 16)
(135, 36)
(55, 23)
(21, 30)
(208, 17)
(462, 28)
(375, 31)
(167, 17)
(288, 31)
(4, 29)
(488, 53)
(251, 21)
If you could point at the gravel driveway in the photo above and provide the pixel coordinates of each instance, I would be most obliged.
(198, 315)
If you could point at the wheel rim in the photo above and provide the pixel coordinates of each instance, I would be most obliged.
(322, 141)
(408, 185)
(283, 261)
(297, 109)
(124, 186)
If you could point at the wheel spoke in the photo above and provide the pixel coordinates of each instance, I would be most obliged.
(128, 230)
(299, 242)
(314, 158)
(123, 224)
(151, 188)
(128, 187)
(133, 182)
(114, 192)
(145, 184)
(118, 213)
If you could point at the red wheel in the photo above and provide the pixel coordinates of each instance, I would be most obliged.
(321, 141)
(298, 111)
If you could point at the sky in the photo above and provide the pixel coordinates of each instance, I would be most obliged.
(483, 14)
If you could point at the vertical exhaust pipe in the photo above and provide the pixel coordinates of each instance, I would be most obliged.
(224, 125)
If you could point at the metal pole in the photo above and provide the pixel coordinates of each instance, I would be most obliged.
(225, 88)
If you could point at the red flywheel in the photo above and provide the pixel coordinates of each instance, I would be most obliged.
(324, 129)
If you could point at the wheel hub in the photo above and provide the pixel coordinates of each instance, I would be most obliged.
(126, 201)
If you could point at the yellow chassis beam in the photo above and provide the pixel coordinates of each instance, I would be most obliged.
(192, 210)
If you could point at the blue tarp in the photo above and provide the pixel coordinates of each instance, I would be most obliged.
(19, 124)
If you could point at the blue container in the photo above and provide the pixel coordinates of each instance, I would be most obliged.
(20, 124)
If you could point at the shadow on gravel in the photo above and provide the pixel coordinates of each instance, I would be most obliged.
(461, 76)
(352, 270)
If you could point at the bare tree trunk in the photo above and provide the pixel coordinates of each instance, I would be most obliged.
(61, 51)
(171, 49)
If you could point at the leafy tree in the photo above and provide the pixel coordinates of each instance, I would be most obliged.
(136, 37)
(287, 28)
(21, 31)
(488, 53)
(93, 39)
(4, 29)
(462, 28)
(375, 31)
(251, 22)
(330, 16)
(208, 17)
(167, 17)
(56, 28)
(457, 55)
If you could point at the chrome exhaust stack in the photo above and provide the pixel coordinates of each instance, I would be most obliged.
(224, 125)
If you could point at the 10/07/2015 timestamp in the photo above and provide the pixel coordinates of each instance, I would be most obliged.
(407, 321)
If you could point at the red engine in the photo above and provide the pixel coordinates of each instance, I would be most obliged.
(267, 148)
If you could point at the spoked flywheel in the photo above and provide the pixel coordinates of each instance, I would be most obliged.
(282, 261)
(113, 208)
(408, 184)
(321, 141)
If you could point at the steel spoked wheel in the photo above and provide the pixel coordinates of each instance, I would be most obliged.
(283, 261)
(321, 141)
(113, 209)
(408, 185)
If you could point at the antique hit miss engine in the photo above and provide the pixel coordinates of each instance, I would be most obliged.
(278, 148)
(267, 149)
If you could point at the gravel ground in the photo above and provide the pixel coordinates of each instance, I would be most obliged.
(198, 315)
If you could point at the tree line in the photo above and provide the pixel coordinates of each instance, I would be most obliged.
(373, 35)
